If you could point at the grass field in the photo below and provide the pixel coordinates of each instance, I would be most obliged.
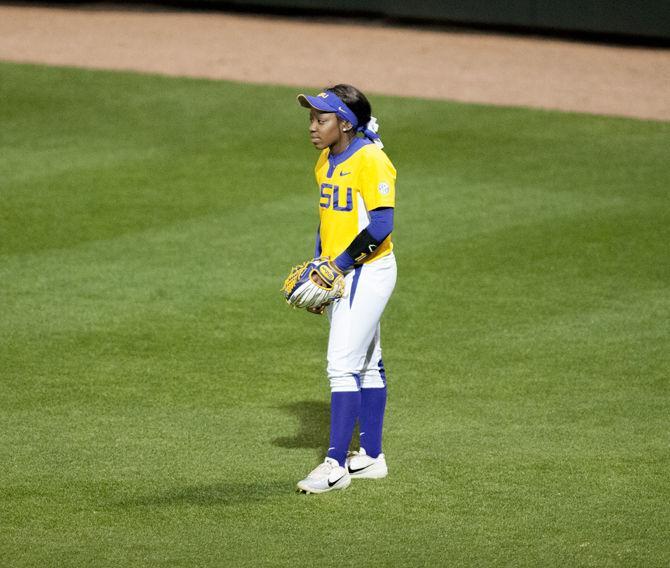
(158, 401)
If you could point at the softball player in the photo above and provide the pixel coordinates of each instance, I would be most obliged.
(356, 182)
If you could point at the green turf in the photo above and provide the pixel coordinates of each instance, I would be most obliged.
(158, 400)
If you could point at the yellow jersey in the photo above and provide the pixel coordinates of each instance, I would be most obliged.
(358, 180)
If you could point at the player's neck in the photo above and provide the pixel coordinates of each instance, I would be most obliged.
(342, 144)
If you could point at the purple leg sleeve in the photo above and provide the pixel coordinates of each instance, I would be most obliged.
(373, 404)
(344, 410)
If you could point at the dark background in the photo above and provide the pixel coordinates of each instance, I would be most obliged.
(641, 21)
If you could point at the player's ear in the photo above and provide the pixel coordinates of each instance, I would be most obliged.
(346, 126)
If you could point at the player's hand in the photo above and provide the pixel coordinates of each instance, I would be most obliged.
(318, 280)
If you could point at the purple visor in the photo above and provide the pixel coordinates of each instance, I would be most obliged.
(327, 101)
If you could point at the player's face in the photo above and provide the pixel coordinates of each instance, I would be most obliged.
(324, 129)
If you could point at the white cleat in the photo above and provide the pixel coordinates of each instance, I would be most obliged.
(325, 477)
(362, 466)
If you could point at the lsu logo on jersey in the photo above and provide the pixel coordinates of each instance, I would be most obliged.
(332, 198)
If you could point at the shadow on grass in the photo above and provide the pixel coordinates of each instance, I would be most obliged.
(224, 493)
(314, 424)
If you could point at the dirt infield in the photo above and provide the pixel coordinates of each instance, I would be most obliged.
(472, 67)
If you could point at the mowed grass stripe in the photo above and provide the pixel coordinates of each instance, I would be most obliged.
(158, 402)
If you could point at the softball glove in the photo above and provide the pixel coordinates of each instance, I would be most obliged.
(313, 285)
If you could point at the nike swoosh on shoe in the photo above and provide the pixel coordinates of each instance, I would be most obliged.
(360, 468)
(331, 483)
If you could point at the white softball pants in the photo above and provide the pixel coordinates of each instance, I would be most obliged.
(354, 345)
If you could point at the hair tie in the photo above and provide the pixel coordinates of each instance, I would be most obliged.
(370, 131)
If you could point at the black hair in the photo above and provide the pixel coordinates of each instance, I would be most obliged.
(355, 100)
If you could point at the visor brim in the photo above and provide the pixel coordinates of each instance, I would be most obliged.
(315, 102)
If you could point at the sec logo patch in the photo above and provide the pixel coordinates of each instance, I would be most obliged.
(384, 188)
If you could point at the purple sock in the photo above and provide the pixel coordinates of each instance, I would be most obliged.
(373, 404)
(344, 410)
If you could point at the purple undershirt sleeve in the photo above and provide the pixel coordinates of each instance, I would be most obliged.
(381, 223)
(344, 261)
